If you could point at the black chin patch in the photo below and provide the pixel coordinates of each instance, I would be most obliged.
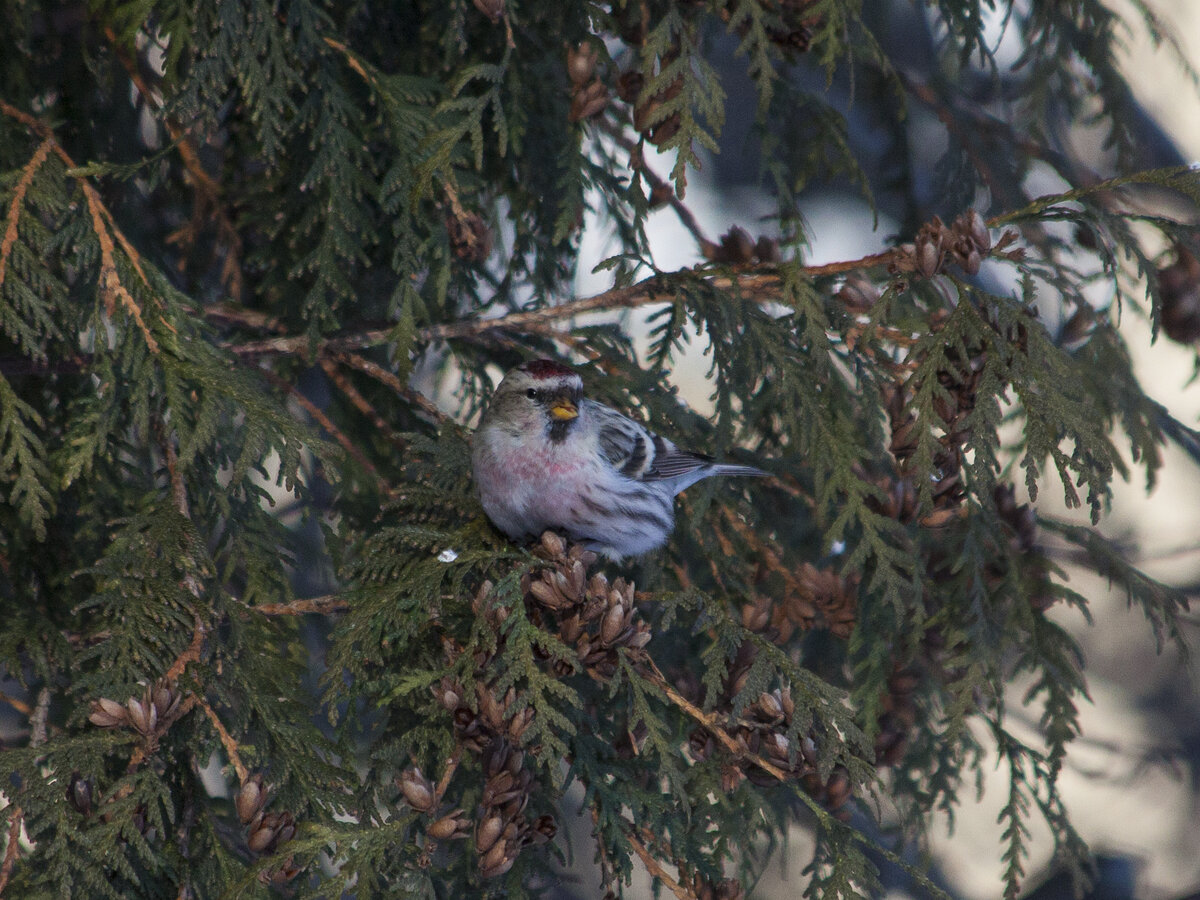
(559, 430)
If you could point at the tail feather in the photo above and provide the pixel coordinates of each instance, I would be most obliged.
(731, 469)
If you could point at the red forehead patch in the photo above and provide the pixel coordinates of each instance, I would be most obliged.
(546, 368)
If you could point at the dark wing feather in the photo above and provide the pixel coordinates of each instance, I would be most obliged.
(637, 453)
(622, 440)
(671, 462)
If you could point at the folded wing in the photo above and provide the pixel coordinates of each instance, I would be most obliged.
(641, 455)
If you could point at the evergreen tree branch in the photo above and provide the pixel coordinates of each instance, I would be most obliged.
(434, 207)
(756, 282)
(209, 201)
(110, 284)
(28, 171)
(111, 287)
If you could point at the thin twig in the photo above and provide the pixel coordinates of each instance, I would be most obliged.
(686, 217)
(187, 147)
(19, 705)
(135, 258)
(227, 741)
(351, 60)
(983, 122)
(190, 654)
(655, 868)
(301, 345)
(359, 402)
(327, 423)
(329, 603)
(379, 373)
(711, 722)
(926, 95)
(606, 867)
(178, 490)
(250, 318)
(768, 556)
(111, 287)
(208, 191)
(753, 280)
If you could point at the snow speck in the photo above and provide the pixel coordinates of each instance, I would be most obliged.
(448, 556)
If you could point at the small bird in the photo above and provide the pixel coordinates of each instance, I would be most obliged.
(545, 457)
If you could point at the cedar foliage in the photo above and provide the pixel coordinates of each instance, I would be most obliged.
(243, 240)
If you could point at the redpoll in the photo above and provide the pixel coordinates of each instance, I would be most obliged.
(545, 457)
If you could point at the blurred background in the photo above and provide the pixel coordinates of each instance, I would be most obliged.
(1131, 780)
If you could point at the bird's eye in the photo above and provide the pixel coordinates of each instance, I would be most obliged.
(531, 393)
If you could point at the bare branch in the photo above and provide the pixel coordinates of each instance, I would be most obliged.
(324, 605)
(654, 867)
(227, 741)
(190, 654)
(327, 423)
(359, 401)
(302, 345)
(755, 281)
(711, 722)
(19, 705)
(379, 373)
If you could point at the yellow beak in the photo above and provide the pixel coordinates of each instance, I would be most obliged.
(563, 410)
